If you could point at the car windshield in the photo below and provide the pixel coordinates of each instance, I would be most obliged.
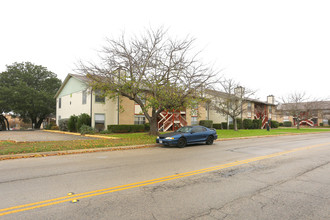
(184, 129)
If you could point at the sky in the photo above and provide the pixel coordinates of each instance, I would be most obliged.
(273, 47)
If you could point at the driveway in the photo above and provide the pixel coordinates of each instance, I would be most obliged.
(38, 135)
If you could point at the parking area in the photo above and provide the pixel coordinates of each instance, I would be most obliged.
(38, 135)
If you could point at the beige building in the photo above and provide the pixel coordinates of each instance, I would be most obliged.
(310, 113)
(75, 97)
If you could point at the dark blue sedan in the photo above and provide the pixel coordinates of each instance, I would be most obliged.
(188, 135)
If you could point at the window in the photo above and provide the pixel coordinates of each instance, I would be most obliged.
(249, 107)
(139, 119)
(194, 120)
(59, 102)
(84, 97)
(99, 97)
(270, 109)
(99, 122)
(198, 129)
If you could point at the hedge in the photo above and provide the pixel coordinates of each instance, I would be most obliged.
(206, 123)
(257, 123)
(224, 125)
(126, 128)
(247, 124)
(217, 126)
(274, 124)
(287, 124)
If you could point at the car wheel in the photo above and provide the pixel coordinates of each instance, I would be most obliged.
(209, 140)
(182, 142)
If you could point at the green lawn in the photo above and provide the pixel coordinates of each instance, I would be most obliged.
(264, 132)
(129, 139)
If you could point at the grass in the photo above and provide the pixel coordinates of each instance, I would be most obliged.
(264, 132)
(10, 148)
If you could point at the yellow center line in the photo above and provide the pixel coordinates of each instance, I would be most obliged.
(63, 199)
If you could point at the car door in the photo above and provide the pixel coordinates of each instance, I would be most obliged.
(197, 134)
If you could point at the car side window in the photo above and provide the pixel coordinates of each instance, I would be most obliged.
(197, 129)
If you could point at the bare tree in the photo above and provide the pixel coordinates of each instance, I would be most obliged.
(155, 71)
(231, 99)
(299, 106)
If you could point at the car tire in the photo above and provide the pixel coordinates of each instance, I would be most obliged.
(182, 142)
(209, 140)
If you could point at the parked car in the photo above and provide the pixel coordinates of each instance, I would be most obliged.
(188, 135)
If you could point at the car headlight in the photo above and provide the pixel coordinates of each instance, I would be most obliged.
(170, 138)
(157, 137)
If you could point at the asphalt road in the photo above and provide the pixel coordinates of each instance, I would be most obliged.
(284, 177)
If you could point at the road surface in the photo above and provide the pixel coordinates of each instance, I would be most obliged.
(285, 177)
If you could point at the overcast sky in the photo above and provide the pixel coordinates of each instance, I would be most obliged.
(275, 47)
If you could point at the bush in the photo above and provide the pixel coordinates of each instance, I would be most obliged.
(281, 124)
(105, 132)
(54, 127)
(274, 124)
(247, 124)
(239, 123)
(287, 124)
(231, 126)
(321, 124)
(147, 127)
(224, 125)
(83, 119)
(72, 123)
(217, 126)
(50, 125)
(85, 129)
(257, 123)
(206, 123)
(63, 124)
(126, 128)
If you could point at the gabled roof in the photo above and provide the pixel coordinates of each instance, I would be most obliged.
(81, 78)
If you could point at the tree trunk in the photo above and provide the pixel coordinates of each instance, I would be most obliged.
(38, 124)
(235, 124)
(153, 126)
(298, 123)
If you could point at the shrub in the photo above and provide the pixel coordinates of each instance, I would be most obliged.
(321, 124)
(105, 132)
(54, 127)
(217, 126)
(287, 124)
(274, 124)
(281, 124)
(126, 128)
(83, 119)
(206, 123)
(239, 123)
(247, 124)
(63, 124)
(257, 123)
(147, 127)
(72, 123)
(85, 129)
(50, 125)
(224, 125)
(329, 122)
(231, 126)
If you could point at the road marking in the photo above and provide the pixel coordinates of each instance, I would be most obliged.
(21, 208)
